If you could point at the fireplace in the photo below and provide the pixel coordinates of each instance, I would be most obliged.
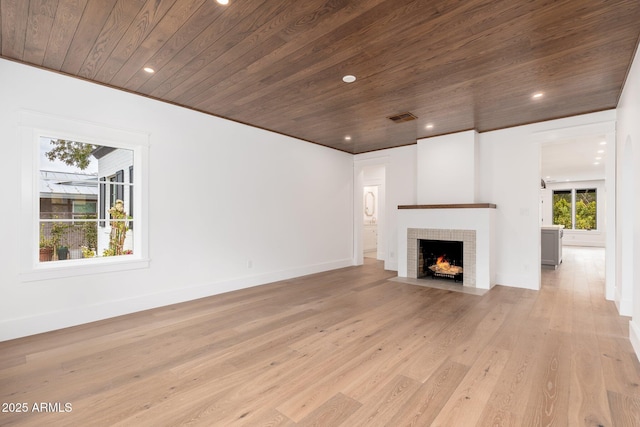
(472, 224)
(440, 259)
(465, 240)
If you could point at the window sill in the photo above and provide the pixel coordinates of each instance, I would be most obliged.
(71, 268)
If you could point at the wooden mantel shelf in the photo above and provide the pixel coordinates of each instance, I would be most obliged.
(451, 206)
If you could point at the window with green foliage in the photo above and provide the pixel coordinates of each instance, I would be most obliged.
(585, 209)
(575, 209)
(562, 208)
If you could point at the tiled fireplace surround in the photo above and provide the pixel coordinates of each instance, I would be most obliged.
(473, 224)
(467, 237)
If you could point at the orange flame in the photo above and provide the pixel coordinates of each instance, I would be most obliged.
(442, 263)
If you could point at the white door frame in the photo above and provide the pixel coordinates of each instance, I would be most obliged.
(608, 129)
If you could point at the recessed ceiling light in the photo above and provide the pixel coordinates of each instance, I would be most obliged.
(598, 158)
(429, 126)
(149, 70)
(349, 78)
(347, 138)
(603, 143)
(600, 151)
(537, 95)
(596, 163)
(223, 1)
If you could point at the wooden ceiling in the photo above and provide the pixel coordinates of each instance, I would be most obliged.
(278, 65)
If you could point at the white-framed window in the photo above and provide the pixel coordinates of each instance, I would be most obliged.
(576, 208)
(78, 197)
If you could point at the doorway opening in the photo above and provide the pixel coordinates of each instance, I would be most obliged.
(370, 221)
(370, 234)
(577, 195)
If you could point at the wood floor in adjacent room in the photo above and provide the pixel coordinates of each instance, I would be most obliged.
(343, 348)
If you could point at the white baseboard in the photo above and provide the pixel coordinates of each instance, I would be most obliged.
(391, 265)
(45, 322)
(634, 336)
(516, 281)
(624, 305)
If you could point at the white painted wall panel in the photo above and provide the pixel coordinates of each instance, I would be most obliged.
(447, 169)
(628, 145)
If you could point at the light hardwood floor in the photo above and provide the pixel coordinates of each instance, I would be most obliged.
(343, 348)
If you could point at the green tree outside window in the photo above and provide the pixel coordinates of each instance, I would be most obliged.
(562, 208)
(585, 209)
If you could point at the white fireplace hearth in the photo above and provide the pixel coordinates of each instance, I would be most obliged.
(472, 224)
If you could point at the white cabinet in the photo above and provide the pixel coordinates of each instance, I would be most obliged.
(551, 245)
(370, 238)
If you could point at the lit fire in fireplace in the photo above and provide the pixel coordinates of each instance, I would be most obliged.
(442, 263)
(442, 266)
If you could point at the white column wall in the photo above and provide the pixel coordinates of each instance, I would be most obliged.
(628, 145)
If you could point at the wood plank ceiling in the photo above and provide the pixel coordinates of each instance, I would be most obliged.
(278, 65)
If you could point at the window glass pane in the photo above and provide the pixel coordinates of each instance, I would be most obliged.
(562, 208)
(72, 202)
(83, 207)
(586, 209)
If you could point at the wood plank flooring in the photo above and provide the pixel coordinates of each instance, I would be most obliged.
(342, 348)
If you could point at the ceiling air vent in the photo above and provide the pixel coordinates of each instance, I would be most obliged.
(402, 117)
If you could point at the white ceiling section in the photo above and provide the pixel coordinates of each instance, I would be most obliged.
(574, 159)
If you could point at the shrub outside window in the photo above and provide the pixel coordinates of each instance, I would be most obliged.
(586, 212)
(576, 209)
(562, 208)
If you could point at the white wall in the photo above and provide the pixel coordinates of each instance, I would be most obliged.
(221, 194)
(510, 178)
(447, 169)
(628, 200)
(595, 238)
